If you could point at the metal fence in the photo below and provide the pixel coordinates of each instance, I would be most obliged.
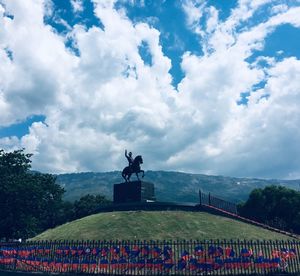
(214, 257)
(208, 199)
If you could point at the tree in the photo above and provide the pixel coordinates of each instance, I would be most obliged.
(274, 205)
(30, 202)
(66, 212)
(88, 205)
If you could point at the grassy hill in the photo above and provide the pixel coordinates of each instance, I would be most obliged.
(169, 186)
(144, 225)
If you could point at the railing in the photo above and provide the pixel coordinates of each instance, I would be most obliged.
(208, 199)
(229, 209)
(214, 257)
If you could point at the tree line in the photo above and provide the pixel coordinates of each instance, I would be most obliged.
(31, 202)
(276, 206)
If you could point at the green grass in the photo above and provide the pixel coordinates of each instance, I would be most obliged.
(146, 225)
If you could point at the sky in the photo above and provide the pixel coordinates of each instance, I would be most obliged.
(198, 86)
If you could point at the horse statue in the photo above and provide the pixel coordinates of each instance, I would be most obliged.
(134, 168)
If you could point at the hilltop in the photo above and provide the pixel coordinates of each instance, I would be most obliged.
(159, 225)
(169, 186)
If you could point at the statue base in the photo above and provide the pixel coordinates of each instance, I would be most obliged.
(135, 191)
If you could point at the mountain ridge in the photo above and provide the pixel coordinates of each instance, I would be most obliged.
(169, 185)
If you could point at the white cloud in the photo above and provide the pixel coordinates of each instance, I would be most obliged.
(48, 8)
(10, 143)
(33, 79)
(103, 101)
(195, 11)
(241, 140)
(106, 99)
(262, 137)
(77, 6)
(279, 9)
(213, 18)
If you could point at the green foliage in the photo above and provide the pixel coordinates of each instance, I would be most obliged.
(14, 163)
(88, 205)
(274, 205)
(30, 202)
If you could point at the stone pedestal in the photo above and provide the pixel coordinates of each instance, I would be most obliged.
(135, 191)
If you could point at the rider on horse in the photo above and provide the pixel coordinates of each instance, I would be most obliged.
(133, 167)
(129, 158)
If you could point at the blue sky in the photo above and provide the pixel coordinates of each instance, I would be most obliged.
(200, 86)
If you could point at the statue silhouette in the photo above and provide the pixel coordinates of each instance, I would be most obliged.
(129, 158)
(133, 167)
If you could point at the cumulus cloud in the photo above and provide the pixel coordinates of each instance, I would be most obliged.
(32, 78)
(247, 139)
(95, 104)
(106, 98)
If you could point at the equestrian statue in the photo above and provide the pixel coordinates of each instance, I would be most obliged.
(133, 166)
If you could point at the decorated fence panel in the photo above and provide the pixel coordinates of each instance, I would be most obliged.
(216, 257)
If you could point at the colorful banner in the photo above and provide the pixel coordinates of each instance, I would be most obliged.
(115, 258)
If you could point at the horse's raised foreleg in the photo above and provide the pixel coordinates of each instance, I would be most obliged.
(143, 173)
(128, 177)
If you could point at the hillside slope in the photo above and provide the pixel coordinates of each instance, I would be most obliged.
(160, 225)
(169, 186)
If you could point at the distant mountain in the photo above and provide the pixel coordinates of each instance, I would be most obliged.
(169, 186)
